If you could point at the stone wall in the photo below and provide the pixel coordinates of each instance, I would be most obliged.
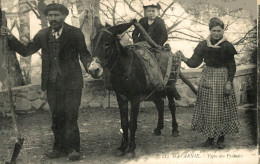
(30, 98)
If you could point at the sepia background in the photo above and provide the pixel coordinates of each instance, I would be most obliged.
(187, 25)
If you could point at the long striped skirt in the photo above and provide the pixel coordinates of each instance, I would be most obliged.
(215, 113)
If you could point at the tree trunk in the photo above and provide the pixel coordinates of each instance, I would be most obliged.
(41, 7)
(24, 33)
(16, 77)
(91, 9)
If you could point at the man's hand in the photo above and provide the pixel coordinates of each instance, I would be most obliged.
(4, 31)
(227, 88)
(133, 21)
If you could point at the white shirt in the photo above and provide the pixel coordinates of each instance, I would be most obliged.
(57, 34)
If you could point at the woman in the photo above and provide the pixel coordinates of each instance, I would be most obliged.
(216, 111)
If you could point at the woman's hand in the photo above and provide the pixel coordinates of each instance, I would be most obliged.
(227, 88)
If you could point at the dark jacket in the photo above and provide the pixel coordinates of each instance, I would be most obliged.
(157, 31)
(215, 57)
(72, 43)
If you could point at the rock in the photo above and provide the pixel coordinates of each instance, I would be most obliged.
(35, 94)
(113, 102)
(23, 104)
(26, 88)
(183, 102)
(95, 104)
(32, 95)
(38, 103)
(148, 104)
(4, 97)
(86, 97)
(46, 107)
(84, 105)
(6, 107)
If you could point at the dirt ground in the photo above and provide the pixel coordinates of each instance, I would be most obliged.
(100, 136)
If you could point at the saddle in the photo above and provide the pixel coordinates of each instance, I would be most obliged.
(158, 65)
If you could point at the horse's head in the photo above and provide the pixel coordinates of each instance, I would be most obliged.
(105, 48)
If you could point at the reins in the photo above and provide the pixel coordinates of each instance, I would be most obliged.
(102, 31)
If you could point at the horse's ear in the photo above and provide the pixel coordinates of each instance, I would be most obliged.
(97, 24)
(119, 29)
(107, 25)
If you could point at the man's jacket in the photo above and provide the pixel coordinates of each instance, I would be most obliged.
(72, 47)
(157, 31)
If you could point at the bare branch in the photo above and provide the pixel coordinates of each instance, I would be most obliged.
(229, 24)
(114, 12)
(106, 5)
(188, 28)
(172, 26)
(131, 8)
(188, 35)
(34, 11)
(170, 5)
(110, 12)
(183, 39)
(245, 36)
(105, 14)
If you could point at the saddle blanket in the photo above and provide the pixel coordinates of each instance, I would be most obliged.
(157, 64)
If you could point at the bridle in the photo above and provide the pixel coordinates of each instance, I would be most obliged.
(102, 31)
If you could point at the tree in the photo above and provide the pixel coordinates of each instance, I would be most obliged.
(24, 33)
(15, 72)
(88, 10)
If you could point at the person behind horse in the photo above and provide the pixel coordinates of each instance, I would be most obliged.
(216, 109)
(156, 29)
(62, 78)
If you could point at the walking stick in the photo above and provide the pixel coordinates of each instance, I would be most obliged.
(20, 139)
(187, 82)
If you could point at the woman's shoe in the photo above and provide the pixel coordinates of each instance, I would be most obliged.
(220, 142)
(220, 145)
(208, 143)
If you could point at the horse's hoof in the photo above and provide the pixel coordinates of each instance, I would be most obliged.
(175, 133)
(120, 153)
(157, 132)
(130, 155)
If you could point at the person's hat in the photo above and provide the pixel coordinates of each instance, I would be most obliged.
(56, 6)
(151, 3)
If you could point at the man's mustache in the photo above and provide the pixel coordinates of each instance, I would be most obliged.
(51, 22)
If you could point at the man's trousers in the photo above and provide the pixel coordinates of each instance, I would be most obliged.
(64, 105)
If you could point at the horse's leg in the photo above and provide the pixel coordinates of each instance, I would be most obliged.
(172, 108)
(123, 107)
(135, 103)
(159, 103)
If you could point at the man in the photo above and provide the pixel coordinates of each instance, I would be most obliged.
(61, 76)
(156, 29)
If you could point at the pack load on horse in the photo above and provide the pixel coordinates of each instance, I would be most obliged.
(160, 65)
(128, 77)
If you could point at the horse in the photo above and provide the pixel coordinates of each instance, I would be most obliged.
(127, 79)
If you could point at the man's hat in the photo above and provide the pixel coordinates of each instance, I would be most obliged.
(151, 3)
(56, 6)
